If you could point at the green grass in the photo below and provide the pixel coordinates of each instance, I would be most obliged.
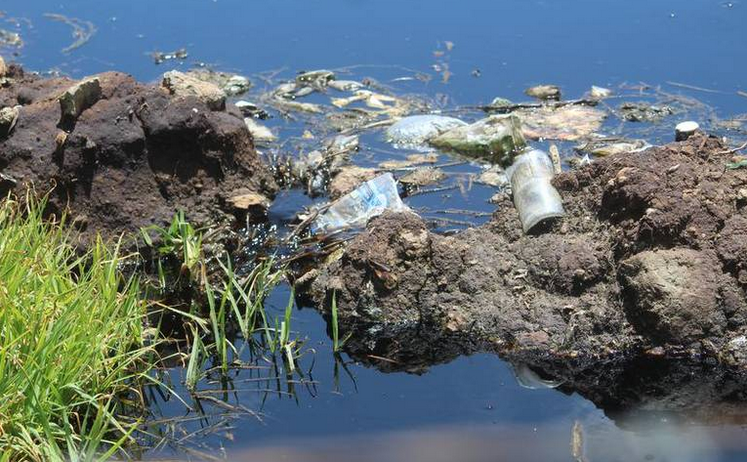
(72, 346)
(224, 304)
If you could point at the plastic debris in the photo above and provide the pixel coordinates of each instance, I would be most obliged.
(684, 130)
(565, 123)
(345, 85)
(544, 92)
(414, 131)
(342, 144)
(609, 147)
(317, 80)
(499, 102)
(160, 57)
(527, 378)
(249, 109)
(412, 159)
(599, 92)
(496, 138)
(3, 67)
(10, 39)
(643, 112)
(535, 198)
(354, 210)
(259, 132)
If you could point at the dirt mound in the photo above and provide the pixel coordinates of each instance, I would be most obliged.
(650, 255)
(132, 158)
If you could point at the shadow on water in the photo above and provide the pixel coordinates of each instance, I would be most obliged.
(432, 398)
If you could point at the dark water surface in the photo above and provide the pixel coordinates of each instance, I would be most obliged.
(472, 408)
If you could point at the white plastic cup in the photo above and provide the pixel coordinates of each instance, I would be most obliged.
(535, 198)
(685, 130)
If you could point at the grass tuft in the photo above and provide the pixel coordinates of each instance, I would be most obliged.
(71, 342)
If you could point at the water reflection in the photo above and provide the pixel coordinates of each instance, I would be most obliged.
(551, 441)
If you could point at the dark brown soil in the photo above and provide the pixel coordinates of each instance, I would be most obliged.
(651, 257)
(132, 159)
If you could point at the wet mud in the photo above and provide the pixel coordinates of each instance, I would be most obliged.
(635, 297)
(132, 158)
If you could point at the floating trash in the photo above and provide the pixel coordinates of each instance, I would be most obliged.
(644, 112)
(496, 138)
(10, 39)
(685, 130)
(544, 92)
(82, 30)
(161, 57)
(353, 210)
(413, 132)
(612, 146)
(599, 92)
(565, 123)
(260, 133)
(249, 109)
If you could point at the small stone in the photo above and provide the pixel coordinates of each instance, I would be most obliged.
(183, 85)
(423, 176)
(8, 119)
(78, 98)
(250, 200)
(544, 92)
(494, 176)
(742, 195)
(231, 84)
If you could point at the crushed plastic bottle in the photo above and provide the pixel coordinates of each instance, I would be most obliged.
(354, 210)
(535, 198)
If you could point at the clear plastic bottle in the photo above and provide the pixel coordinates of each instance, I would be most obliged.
(535, 198)
(354, 210)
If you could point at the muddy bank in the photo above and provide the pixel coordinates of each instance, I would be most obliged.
(650, 256)
(129, 154)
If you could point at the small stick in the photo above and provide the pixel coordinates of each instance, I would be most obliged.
(735, 150)
(691, 87)
(552, 105)
(434, 190)
(555, 158)
(742, 93)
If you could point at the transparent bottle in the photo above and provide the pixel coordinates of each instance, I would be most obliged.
(354, 210)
